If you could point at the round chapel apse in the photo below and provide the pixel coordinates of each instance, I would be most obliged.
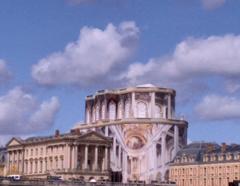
(135, 142)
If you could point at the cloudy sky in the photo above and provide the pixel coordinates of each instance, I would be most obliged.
(54, 53)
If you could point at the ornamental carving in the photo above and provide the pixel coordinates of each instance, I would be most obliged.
(143, 96)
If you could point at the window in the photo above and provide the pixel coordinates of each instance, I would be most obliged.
(36, 166)
(103, 111)
(56, 163)
(141, 110)
(31, 167)
(120, 108)
(93, 115)
(41, 166)
(127, 109)
(158, 111)
(112, 110)
(51, 164)
(97, 111)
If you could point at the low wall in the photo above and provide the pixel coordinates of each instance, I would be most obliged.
(68, 183)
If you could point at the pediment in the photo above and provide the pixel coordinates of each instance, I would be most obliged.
(93, 136)
(13, 142)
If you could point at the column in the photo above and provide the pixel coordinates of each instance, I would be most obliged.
(133, 105)
(154, 151)
(119, 156)
(74, 157)
(176, 140)
(18, 164)
(163, 148)
(114, 151)
(124, 172)
(86, 157)
(67, 157)
(13, 167)
(23, 160)
(106, 159)
(131, 164)
(153, 104)
(96, 158)
(169, 106)
(8, 161)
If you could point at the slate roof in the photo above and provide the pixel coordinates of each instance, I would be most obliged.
(198, 150)
(66, 136)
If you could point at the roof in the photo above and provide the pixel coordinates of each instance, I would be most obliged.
(198, 150)
(146, 85)
(74, 134)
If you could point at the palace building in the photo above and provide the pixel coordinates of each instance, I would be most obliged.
(130, 132)
(72, 155)
(206, 164)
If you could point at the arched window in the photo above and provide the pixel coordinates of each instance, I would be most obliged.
(141, 110)
(93, 115)
(112, 110)
(158, 111)
(97, 111)
(120, 109)
(127, 109)
(103, 110)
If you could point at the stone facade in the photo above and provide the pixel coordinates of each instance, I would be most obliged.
(206, 164)
(146, 134)
(72, 155)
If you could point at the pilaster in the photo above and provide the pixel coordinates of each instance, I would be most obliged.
(86, 157)
(169, 106)
(153, 104)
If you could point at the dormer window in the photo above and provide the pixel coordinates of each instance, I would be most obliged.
(229, 156)
(236, 156)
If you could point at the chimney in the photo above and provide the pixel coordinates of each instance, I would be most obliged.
(57, 133)
(75, 131)
(223, 147)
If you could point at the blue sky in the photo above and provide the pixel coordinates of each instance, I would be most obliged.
(54, 53)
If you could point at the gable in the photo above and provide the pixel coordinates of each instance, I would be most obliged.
(93, 136)
(13, 142)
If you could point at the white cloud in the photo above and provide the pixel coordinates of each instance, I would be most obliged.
(4, 72)
(192, 58)
(214, 107)
(212, 4)
(21, 113)
(93, 58)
